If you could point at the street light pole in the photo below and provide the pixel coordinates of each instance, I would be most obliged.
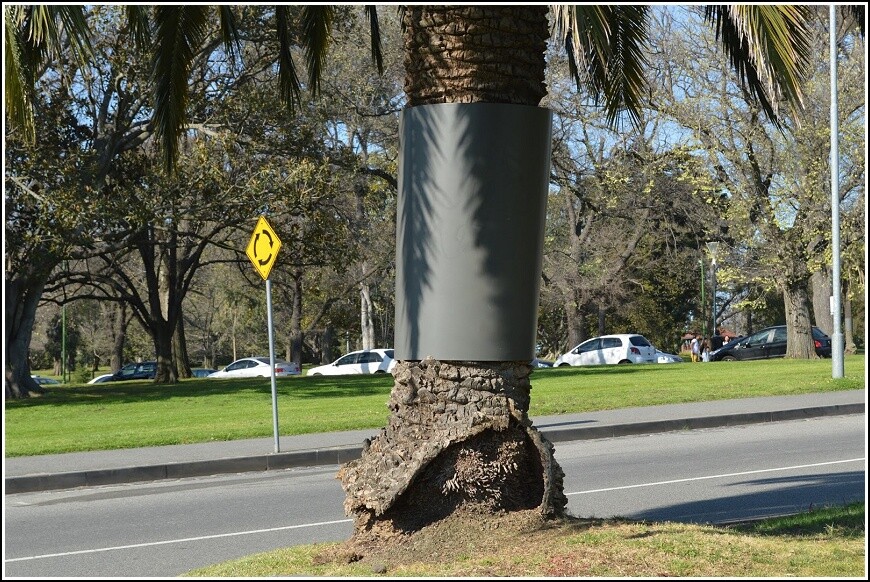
(713, 247)
(63, 343)
(837, 367)
(703, 300)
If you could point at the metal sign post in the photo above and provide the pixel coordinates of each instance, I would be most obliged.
(263, 251)
(272, 364)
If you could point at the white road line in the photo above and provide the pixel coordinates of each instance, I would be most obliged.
(723, 475)
(164, 542)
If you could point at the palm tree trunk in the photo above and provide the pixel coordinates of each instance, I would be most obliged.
(459, 432)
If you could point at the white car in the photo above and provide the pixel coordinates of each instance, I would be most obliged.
(101, 378)
(359, 362)
(666, 358)
(256, 368)
(625, 348)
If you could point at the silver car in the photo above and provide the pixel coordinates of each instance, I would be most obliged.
(625, 348)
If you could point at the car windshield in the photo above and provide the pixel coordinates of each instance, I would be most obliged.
(639, 340)
(390, 354)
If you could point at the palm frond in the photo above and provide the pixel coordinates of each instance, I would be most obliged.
(375, 32)
(287, 77)
(626, 68)
(857, 13)
(606, 48)
(180, 32)
(74, 24)
(139, 23)
(17, 87)
(769, 49)
(316, 26)
(33, 33)
(230, 31)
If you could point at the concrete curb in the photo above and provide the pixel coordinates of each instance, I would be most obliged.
(340, 455)
(651, 427)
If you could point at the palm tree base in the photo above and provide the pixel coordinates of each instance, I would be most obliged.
(458, 437)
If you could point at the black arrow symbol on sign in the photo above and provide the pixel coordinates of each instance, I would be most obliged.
(256, 240)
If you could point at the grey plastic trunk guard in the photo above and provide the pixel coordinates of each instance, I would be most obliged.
(473, 182)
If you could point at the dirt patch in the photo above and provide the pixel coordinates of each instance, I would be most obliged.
(468, 530)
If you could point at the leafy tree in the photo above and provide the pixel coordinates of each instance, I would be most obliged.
(775, 177)
(623, 211)
(45, 216)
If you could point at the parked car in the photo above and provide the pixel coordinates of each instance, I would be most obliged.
(136, 371)
(666, 358)
(43, 380)
(378, 361)
(101, 378)
(536, 363)
(770, 342)
(202, 372)
(626, 348)
(256, 367)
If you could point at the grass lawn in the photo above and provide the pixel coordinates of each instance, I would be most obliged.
(82, 417)
(823, 543)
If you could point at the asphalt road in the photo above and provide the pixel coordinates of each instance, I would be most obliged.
(168, 527)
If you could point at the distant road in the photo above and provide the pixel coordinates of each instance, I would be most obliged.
(167, 528)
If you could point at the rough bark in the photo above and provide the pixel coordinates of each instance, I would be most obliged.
(822, 292)
(296, 334)
(367, 324)
(576, 322)
(179, 351)
(119, 336)
(468, 54)
(797, 314)
(22, 296)
(458, 436)
(848, 332)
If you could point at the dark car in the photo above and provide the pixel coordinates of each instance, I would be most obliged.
(770, 342)
(136, 371)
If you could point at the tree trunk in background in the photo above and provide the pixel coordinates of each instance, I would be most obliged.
(119, 337)
(848, 332)
(602, 320)
(326, 341)
(296, 336)
(576, 322)
(163, 334)
(822, 292)
(367, 325)
(22, 293)
(797, 315)
(575, 307)
(458, 433)
(179, 350)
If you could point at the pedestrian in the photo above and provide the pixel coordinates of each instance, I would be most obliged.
(705, 349)
(696, 348)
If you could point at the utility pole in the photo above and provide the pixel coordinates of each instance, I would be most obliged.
(837, 370)
(713, 247)
(703, 301)
(63, 343)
